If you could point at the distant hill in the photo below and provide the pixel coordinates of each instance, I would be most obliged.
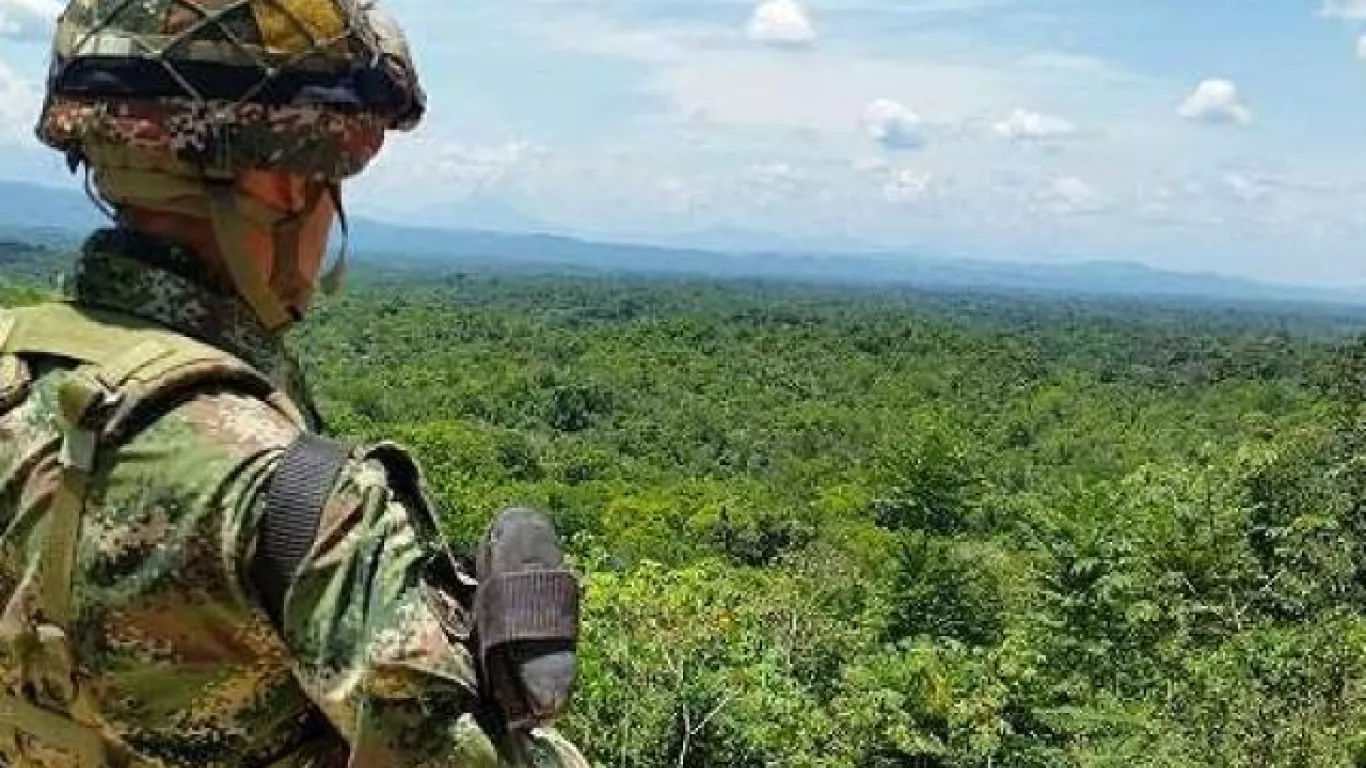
(37, 209)
(57, 217)
(1090, 278)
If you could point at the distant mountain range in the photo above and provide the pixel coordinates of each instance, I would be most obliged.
(58, 216)
(34, 208)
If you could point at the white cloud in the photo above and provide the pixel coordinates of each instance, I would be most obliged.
(19, 105)
(437, 168)
(772, 183)
(1361, 47)
(868, 165)
(1069, 194)
(1215, 101)
(907, 185)
(1089, 67)
(1245, 188)
(782, 23)
(679, 197)
(1343, 9)
(699, 71)
(694, 96)
(27, 19)
(893, 125)
(479, 167)
(1024, 125)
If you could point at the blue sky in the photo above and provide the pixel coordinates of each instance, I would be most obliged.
(1224, 135)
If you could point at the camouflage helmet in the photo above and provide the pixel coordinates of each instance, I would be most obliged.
(216, 87)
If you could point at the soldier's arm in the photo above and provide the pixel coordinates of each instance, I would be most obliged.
(375, 643)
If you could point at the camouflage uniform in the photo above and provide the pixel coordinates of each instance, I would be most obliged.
(182, 665)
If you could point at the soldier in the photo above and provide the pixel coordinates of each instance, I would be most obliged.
(190, 576)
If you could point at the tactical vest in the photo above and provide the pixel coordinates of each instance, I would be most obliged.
(126, 372)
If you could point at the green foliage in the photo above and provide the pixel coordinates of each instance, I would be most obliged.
(829, 528)
(28, 273)
(949, 589)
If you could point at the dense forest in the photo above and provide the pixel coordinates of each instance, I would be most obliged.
(896, 528)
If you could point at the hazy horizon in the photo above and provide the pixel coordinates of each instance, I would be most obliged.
(1211, 138)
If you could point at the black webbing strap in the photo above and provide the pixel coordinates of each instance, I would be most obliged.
(527, 606)
(289, 524)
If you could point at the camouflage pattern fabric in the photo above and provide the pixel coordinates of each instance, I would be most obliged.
(370, 667)
(168, 283)
(307, 140)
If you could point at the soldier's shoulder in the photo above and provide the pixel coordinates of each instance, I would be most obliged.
(224, 423)
(223, 434)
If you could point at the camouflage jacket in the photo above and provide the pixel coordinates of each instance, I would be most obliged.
(369, 666)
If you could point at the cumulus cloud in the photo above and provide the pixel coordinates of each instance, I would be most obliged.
(27, 19)
(907, 185)
(1024, 125)
(1215, 101)
(782, 23)
(1343, 9)
(893, 125)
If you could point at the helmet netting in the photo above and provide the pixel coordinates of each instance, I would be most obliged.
(290, 36)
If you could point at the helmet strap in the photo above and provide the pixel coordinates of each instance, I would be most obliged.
(332, 279)
(286, 279)
(94, 196)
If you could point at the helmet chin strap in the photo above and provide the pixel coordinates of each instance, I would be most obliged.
(230, 231)
(286, 279)
(332, 279)
(95, 198)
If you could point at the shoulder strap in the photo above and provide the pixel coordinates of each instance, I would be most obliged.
(137, 362)
(289, 523)
(126, 370)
